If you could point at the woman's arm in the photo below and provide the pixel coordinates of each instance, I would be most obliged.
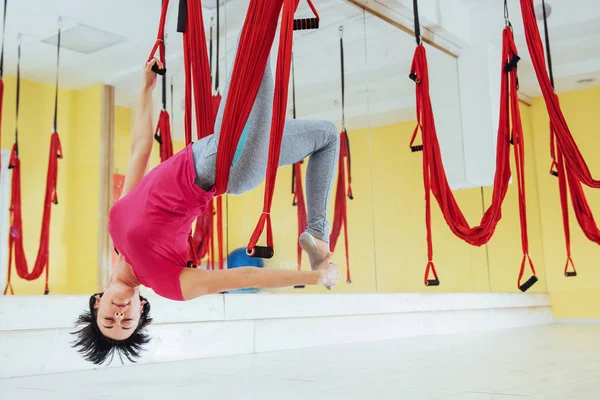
(142, 135)
(196, 283)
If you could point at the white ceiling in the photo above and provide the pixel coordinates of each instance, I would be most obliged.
(377, 55)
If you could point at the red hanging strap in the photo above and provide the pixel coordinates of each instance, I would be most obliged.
(340, 216)
(564, 207)
(220, 231)
(300, 203)
(282, 78)
(160, 41)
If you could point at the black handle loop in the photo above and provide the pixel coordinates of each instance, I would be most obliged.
(159, 71)
(528, 284)
(571, 273)
(512, 64)
(303, 24)
(416, 148)
(261, 252)
(432, 282)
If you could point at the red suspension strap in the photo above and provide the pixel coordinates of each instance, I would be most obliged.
(297, 189)
(278, 120)
(340, 217)
(434, 177)
(163, 129)
(15, 241)
(160, 41)
(568, 164)
(344, 179)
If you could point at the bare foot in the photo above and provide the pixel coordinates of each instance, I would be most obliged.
(317, 250)
(329, 273)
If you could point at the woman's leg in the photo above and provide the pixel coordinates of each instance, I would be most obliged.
(301, 138)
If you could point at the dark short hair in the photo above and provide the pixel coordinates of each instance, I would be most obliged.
(97, 348)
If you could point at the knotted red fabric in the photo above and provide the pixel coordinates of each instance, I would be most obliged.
(15, 240)
(434, 177)
(343, 189)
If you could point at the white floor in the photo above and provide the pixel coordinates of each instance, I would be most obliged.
(546, 362)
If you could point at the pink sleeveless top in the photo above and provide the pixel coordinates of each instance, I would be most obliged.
(151, 224)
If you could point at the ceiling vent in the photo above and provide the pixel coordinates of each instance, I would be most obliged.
(85, 39)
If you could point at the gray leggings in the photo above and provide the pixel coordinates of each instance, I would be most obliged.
(301, 138)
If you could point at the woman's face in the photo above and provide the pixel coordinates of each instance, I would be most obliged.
(118, 311)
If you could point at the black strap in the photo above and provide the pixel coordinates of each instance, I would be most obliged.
(506, 15)
(293, 89)
(210, 50)
(172, 102)
(342, 76)
(218, 42)
(417, 23)
(164, 76)
(18, 99)
(182, 16)
(56, 89)
(294, 116)
(547, 37)
(3, 35)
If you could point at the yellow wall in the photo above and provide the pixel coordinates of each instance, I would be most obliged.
(83, 168)
(73, 239)
(577, 297)
(124, 119)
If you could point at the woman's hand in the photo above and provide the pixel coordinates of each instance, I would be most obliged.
(329, 272)
(149, 80)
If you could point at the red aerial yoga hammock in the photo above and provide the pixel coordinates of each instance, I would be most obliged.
(15, 241)
(434, 177)
(255, 43)
(568, 163)
(340, 215)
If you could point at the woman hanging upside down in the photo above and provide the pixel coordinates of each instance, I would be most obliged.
(150, 224)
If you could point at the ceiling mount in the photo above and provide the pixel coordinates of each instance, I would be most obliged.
(539, 11)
